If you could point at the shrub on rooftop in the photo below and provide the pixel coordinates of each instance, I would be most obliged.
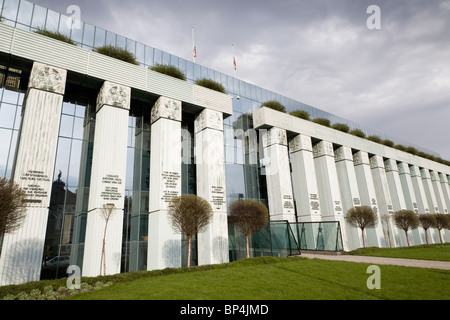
(117, 53)
(168, 70)
(54, 35)
(210, 84)
(275, 105)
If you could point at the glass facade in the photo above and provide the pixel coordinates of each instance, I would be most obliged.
(69, 197)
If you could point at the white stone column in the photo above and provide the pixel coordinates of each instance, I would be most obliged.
(327, 181)
(349, 193)
(410, 198)
(304, 179)
(278, 175)
(109, 160)
(22, 251)
(384, 198)
(438, 192)
(366, 187)
(431, 198)
(397, 197)
(212, 244)
(422, 201)
(164, 245)
(445, 188)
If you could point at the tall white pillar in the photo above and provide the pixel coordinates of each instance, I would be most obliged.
(22, 250)
(349, 192)
(431, 198)
(438, 192)
(384, 198)
(109, 160)
(304, 179)
(366, 187)
(422, 201)
(278, 175)
(445, 188)
(164, 244)
(397, 197)
(410, 198)
(212, 244)
(327, 180)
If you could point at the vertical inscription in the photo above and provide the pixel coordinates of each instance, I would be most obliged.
(170, 185)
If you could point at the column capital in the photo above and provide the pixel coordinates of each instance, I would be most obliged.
(434, 175)
(376, 162)
(443, 177)
(48, 78)
(343, 153)
(361, 157)
(391, 165)
(415, 171)
(425, 173)
(114, 95)
(166, 108)
(209, 119)
(323, 148)
(274, 136)
(403, 168)
(300, 142)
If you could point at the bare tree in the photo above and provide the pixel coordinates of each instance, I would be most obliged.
(106, 213)
(442, 222)
(427, 221)
(362, 217)
(12, 206)
(406, 220)
(190, 214)
(249, 216)
(386, 219)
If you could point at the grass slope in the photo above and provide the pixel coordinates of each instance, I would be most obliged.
(438, 252)
(293, 278)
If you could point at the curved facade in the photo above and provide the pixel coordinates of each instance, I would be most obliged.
(82, 132)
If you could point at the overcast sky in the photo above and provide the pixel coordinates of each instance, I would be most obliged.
(395, 79)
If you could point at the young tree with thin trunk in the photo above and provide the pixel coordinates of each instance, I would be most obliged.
(12, 206)
(106, 213)
(442, 222)
(427, 221)
(406, 220)
(249, 216)
(189, 214)
(362, 217)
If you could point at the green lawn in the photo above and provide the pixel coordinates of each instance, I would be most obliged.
(439, 252)
(283, 279)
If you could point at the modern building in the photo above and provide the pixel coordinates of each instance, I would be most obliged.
(82, 132)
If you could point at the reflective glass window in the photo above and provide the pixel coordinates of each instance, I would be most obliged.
(39, 17)
(149, 55)
(10, 8)
(88, 35)
(77, 34)
(100, 37)
(74, 166)
(10, 96)
(140, 52)
(65, 25)
(78, 128)
(110, 39)
(66, 126)
(52, 23)
(7, 115)
(5, 140)
(131, 46)
(25, 13)
(120, 41)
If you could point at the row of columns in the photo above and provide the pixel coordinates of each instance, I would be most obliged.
(326, 183)
(22, 251)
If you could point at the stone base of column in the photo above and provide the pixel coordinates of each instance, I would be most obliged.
(92, 262)
(164, 245)
(213, 242)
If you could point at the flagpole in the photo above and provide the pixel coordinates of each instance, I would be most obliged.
(234, 62)
(193, 46)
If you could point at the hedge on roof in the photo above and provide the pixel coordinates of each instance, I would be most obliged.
(210, 84)
(168, 70)
(54, 35)
(117, 53)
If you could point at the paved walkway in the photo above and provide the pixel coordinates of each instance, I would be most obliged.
(379, 260)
